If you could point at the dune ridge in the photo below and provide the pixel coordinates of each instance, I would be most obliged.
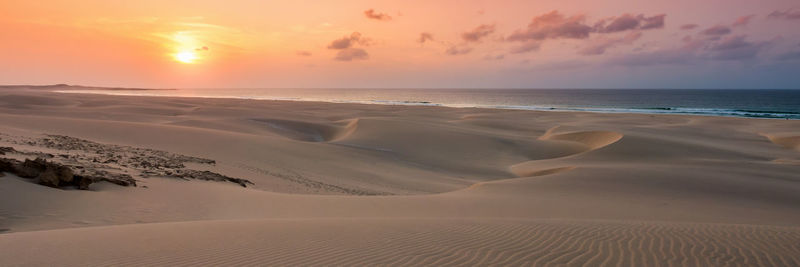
(790, 141)
(592, 140)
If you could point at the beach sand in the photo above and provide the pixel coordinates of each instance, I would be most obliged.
(354, 184)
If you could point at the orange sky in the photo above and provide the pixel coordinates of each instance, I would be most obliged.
(244, 43)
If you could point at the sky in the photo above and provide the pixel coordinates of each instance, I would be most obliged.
(402, 44)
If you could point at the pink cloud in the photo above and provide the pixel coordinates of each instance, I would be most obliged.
(456, 50)
(687, 27)
(743, 21)
(599, 47)
(475, 35)
(717, 30)
(425, 37)
(791, 14)
(371, 14)
(349, 41)
(627, 22)
(553, 25)
(351, 54)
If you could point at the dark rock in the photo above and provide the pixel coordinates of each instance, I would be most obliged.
(46, 173)
(31, 168)
(210, 176)
(83, 182)
(5, 149)
(7, 165)
(48, 178)
(121, 179)
(63, 173)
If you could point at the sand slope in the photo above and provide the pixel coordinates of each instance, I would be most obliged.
(440, 242)
(348, 184)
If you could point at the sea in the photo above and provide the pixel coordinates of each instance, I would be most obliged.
(756, 103)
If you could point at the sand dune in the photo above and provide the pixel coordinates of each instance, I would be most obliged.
(310, 132)
(439, 242)
(791, 142)
(592, 139)
(350, 184)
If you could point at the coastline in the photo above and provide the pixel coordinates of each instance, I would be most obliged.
(694, 111)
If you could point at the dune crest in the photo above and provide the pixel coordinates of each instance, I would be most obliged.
(790, 142)
(520, 171)
(592, 139)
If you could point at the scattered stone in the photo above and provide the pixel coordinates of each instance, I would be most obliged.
(210, 176)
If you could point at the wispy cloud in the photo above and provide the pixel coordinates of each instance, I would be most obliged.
(599, 47)
(626, 22)
(351, 54)
(458, 50)
(425, 37)
(475, 35)
(790, 14)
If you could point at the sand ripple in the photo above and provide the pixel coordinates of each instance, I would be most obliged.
(437, 242)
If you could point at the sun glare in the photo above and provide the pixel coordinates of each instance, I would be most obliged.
(187, 57)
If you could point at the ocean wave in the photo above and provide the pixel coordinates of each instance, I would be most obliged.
(749, 113)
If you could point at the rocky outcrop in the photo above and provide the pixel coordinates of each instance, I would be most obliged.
(79, 163)
(56, 175)
(43, 172)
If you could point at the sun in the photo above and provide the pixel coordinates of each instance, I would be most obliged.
(187, 57)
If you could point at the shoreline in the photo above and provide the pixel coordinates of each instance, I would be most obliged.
(711, 112)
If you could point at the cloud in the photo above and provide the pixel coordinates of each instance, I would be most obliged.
(456, 50)
(343, 43)
(350, 54)
(553, 25)
(478, 33)
(371, 14)
(742, 21)
(599, 47)
(424, 37)
(687, 27)
(526, 47)
(735, 48)
(627, 22)
(304, 53)
(347, 51)
(349, 41)
(658, 57)
(792, 14)
(654, 22)
(717, 30)
(497, 57)
(204, 48)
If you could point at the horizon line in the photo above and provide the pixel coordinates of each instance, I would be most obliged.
(385, 88)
